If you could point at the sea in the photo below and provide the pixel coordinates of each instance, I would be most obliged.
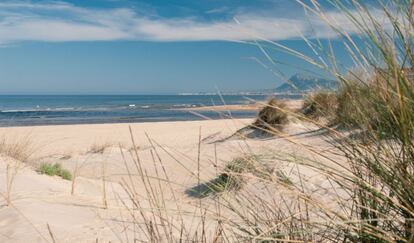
(28, 110)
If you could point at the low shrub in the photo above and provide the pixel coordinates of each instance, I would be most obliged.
(54, 170)
(272, 116)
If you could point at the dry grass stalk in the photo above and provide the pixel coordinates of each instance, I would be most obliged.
(104, 200)
(76, 173)
(52, 237)
(153, 220)
(73, 184)
(321, 104)
(373, 190)
(20, 150)
(11, 172)
(367, 199)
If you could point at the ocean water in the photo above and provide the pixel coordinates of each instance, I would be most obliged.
(21, 110)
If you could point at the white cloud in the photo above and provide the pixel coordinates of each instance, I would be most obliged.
(60, 21)
(217, 10)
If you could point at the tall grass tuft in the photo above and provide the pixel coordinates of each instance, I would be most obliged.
(379, 174)
(353, 192)
(321, 104)
(272, 116)
(21, 149)
(370, 189)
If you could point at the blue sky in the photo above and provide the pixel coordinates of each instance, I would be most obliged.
(150, 46)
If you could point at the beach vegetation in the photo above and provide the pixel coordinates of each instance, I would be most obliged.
(365, 196)
(20, 149)
(320, 104)
(54, 170)
(233, 177)
(349, 192)
(377, 176)
(10, 175)
(99, 148)
(272, 116)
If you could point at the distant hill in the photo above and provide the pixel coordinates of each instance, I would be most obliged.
(300, 83)
(297, 85)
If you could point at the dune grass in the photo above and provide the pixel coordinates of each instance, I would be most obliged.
(366, 197)
(321, 104)
(372, 194)
(379, 174)
(54, 170)
(233, 177)
(272, 116)
(20, 149)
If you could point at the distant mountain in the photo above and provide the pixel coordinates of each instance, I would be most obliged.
(300, 83)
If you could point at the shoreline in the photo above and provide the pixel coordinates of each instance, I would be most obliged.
(102, 156)
(206, 113)
(291, 104)
(61, 139)
(118, 122)
(241, 107)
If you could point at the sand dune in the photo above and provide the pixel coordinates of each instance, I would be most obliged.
(39, 201)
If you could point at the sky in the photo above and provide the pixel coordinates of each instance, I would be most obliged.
(154, 46)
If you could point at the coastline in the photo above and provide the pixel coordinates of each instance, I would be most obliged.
(61, 138)
(292, 104)
(200, 113)
(196, 118)
(78, 138)
(90, 109)
(96, 151)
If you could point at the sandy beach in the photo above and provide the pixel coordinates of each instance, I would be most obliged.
(206, 121)
(100, 157)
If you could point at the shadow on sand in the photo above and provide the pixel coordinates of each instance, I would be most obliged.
(250, 132)
(223, 182)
